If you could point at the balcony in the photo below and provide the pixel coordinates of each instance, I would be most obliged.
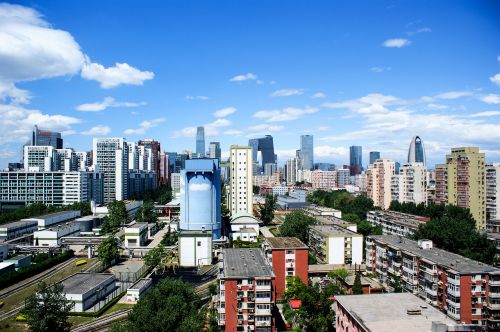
(453, 281)
(262, 300)
(494, 282)
(452, 292)
(455, 316)
(263, 323)
(263, 288)
(453, 304)
(494, 306)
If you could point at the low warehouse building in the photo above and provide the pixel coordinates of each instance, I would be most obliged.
(6, 267)
(137, 290)
(20, 261)
(86, 289)
(136, 235)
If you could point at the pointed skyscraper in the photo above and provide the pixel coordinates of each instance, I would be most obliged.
(416, 153)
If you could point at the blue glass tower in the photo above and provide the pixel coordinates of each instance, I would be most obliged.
(356, 161)
(416, 153)
(374, 155)
(266, 146)
(201, 196)
(200, 142)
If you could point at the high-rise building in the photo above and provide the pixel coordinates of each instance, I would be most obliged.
(241, 179)
(214, 151)
(306, 152)
(461, 182)
(38, 158)
(46, 138)
(412, 183)
(200, 142)
(65, 160)
(201, 197)
(266, 147)
(324, 180)
(492, 192)
(356, 160)
(270, 169)
(343, 177)
(154, 155)
(163, 169)
(374, 156)
(416, 152)
(378, 182)
(110, 155)
(293, 166)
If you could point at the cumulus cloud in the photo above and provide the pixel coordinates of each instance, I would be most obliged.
(196, 97)
(287, 92)
(484, 114)
(211, 129)
(263, 129)
(223, 112)
(453, 95)
(318, 95)
(286, 114)
(396, 43)
(233, 132)
(495, 79)
(372, 103)
(436, 106)
(379, 69)
(111, 77)
(99, 130)
(144, 126)
(243, 77)
(326, 151)
(106, 103)
(491, 99)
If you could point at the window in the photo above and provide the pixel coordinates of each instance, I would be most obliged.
(263, 282)
(199, 244)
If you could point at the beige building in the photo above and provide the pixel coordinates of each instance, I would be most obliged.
(412, 183)
(241, 173)
(461, 182)
(378, 182)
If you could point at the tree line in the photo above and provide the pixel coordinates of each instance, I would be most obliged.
(38, 209)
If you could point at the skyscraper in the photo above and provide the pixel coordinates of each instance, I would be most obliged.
(111, 157)
(378, 182)
(200, 142)
(155, 155)
(374, 155)
(306, 152)
(356, 160)
(214, 150)
(416, 152)
(266, 146)
(46, 138)
(241, 179)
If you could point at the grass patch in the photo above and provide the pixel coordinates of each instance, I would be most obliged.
(275, 231)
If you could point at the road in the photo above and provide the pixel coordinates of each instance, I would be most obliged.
(266, 232)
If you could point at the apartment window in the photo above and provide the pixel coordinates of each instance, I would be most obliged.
(263, 306)
(289, 251)
(198, 243)
(263, 282)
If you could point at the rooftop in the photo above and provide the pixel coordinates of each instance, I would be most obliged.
(127, 266)
(141, 283)
(388, 312)
(19, 223)
(439, 256)
(332, 220)
(80, 283)
(52, 215)
(246, 263)
(401, 218)
(320, 209)
(243, 218)
(333, 230)
(285, 243)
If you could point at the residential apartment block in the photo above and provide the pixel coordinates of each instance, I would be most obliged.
(412, 183)
(333, 244)
(325, 180)
(468, 291)
(289, 258)
(241, 182)
(246, 291)
(378, 182)
(492, 192)
(396, 223)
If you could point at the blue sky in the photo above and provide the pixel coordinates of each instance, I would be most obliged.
(370, 73)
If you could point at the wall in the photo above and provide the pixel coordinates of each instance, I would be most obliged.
(336, 250)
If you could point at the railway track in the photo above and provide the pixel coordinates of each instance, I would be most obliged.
(102, 323)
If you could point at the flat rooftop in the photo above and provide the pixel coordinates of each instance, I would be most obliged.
(141, 283)
(401, 218)
(285, 243)
(388, 312)
(436, 255)
(246, 263)
(334, 230)
(332, 220)
(19, 223)
(81, 283)
(52, 215)
(127, 266)
(317, 208)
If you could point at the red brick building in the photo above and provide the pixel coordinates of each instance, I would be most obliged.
(288, 257)
(246, 291)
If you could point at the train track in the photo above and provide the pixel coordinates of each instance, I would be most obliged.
(102, 323)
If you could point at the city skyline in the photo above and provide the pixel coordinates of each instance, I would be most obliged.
(417, 80)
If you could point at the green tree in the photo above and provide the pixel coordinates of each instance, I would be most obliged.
(170, 238)
(171, 306)
(297, 224)
(339, 275)
(154, 256)
(357, 288)
(267, 210)
(108, 251)
(47, 309)
(117, 213)
(146, 213)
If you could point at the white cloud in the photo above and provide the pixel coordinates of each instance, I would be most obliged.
(453, 95)
(199, 187)
(243, 77)
(196, 97)
(287, 92)
(4, 153)
(223, 112)
(264, 129)
(318, 95)
(372, 103)
(16, 123)
(111, 77)
(421, 30)
(491, 99)
(323, 151)
(396, 43)
(144, 126)
(379, 69)
(436, 106)
(211, 129)
(484, 114)
(107, 102)
(498, 58)
(286, 114)
(233, 132)
(495, 79)
(99, 130)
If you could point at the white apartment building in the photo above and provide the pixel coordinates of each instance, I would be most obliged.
(64, 160)
(378, 182)
(334, 244)
(241, 192)
(111, 156)
(304, 175)
(292, 167)
(280, 190)
(325, 180)
(492, 191)
(412, 183)
(175, 181)
(343, 177)
(82, 160)
(360, 181)
(38, 158)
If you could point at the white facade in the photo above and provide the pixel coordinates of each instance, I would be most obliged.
(52, 237)
(492, 191)
(360, 181)
(412, 183)
(136, 235)
(82, 160)
(280, 190)
(304, 175)
(38, 158)
(195, 249)
(54, 218)
(245, 227)
(75, 188)
(325, 180)
(175, 181)
(84, 290)
(137, 290)
(292, 167)
(111, 156)
(333, 244)
(64, 160)
(241, 192)
(378, 182)
(343, 177)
